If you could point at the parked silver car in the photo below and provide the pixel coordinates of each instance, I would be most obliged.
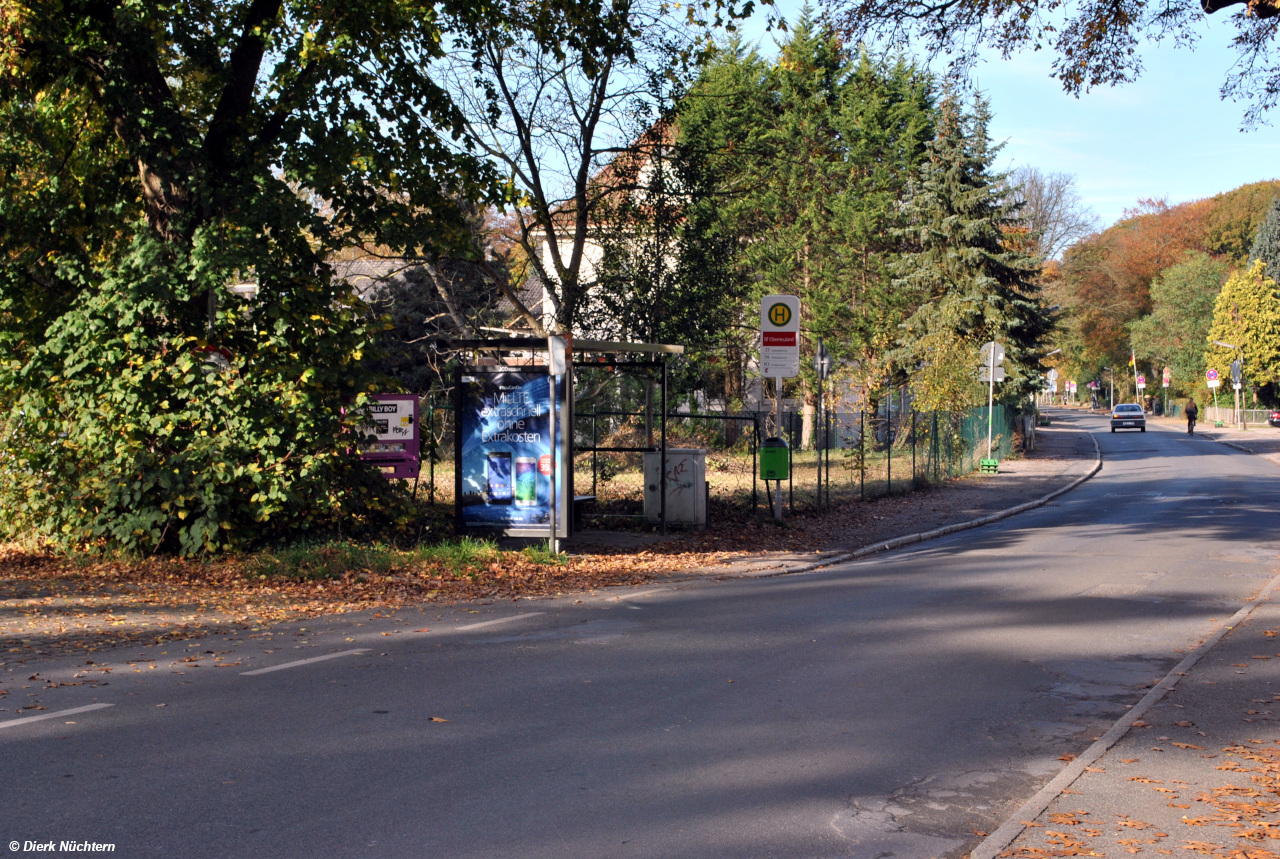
(1128, 416)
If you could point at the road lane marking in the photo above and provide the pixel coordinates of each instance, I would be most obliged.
(58, 715)
(285, 665)
(485, 623)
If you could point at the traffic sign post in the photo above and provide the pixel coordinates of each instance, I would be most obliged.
(779, 356)
(992, 355)
(822, 364)
(1211, 379)
(1235, 384)
(780, 336)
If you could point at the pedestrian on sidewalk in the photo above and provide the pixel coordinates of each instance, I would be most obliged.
(1192, 412)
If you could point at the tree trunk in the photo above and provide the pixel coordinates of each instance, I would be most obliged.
(808, 413)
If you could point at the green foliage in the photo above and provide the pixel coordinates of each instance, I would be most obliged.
(123, 434)
(817, 152)
(542, 554)
(968, 280)
(460, 554)
(153, 154)
(1234, 217)
(1174, 333)
(1266, 244)
(1247, 314)
(327, 560)
(664, 274)
(333, 559)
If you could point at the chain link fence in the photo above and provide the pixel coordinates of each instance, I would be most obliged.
(837, 458)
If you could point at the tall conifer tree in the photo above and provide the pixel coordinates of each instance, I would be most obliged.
(1266, 244)
(819, 148)
(966, 275)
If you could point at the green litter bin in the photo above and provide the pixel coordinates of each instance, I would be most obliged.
(774, 459)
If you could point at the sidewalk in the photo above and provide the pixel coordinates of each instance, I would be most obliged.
(1259, 439)
(1197, 771)
(1064, 454)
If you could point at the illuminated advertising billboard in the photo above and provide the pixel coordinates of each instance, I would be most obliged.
(504, 451)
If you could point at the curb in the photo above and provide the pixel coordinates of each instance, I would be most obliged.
(1007, 832)
(920, 537)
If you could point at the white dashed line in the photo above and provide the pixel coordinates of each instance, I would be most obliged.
(499, 620)
(285, 665)
(58, 715)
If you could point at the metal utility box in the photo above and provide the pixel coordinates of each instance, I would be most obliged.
(775, 459)
(686, 486)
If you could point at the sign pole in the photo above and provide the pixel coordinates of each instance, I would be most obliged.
(777, 428)
(779, 359)
(552, 544)
(991, 396)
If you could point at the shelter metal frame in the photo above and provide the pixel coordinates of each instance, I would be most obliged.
(607, 347)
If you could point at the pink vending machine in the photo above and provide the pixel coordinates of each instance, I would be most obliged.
(396, 446)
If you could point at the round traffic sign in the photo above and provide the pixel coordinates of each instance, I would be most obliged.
(1211, 375)
(1142, 381)
(779, 314)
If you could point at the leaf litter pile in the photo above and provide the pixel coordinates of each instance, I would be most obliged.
(1232, 821)
(52, 605)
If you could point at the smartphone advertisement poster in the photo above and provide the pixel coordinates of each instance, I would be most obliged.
(504, 448)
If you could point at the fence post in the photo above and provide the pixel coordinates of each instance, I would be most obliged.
(431, 449)
(755, 469)
(934, 450)
(862, 451)
(826, 451)
(888, 441)
(791, 464)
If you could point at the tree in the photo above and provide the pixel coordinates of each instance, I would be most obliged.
(1095, 44)
(1107, 277)
(551, 118)
(664, 274)
(1247, 315)
(153, 155)
(817, 152)
(1051, 209)
(1234, 218)
(425, 300)
(1266, 245)
(967, 283)
(1182, 301)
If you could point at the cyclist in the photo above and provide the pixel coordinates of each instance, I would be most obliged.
(1192, 412)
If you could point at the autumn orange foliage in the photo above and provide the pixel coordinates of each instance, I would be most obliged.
(1106, 278)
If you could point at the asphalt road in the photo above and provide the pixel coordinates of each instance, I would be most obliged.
(899, 705)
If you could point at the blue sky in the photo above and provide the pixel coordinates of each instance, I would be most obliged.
(1168, 135)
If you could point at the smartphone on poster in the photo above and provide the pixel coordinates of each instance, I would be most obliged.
(499, 474)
